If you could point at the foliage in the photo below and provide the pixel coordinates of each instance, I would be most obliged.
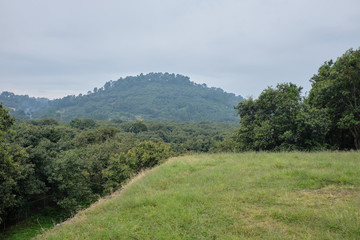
(147, 154)
(279, 120)
(312, 127)
(47, 121)
(6, 121)
(94, 136)
(73, 164)
(143, 155)
(68, 187)
(120, 169)
(83, 123)
(14, 169)
(336, 89)
(137, 127)
(329, 118)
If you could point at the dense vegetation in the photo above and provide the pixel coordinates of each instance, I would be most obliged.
(231, 196)
(154, 96)
(329, 118)
(73, 164)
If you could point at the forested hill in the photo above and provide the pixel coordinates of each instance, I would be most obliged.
(154, 96)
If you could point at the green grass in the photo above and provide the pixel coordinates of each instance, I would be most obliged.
(231, 196)
(33, 225)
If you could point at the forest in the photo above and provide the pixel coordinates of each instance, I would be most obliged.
(73, 163)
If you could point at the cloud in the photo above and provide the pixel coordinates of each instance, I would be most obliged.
(241, 46)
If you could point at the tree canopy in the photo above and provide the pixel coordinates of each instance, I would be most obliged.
(329, 118)
(73, 163)
(336, 88)
(278, 120)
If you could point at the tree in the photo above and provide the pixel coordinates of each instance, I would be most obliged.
(69, 187)
(48, 121)
(12, 171)
(6, 121)
(147, 154)
(336, 88)
(280, 120)
(137, 127)
(312, 128)
(269, 122)
(118, 171)
(82, 123)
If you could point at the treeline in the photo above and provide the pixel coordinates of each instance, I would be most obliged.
(328, 118)
(72, 164)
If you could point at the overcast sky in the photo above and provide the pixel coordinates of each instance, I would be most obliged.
(57, 48)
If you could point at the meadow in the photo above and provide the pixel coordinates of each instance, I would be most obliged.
(230, 196)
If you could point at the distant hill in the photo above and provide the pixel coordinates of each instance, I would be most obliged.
(22, 106)
(154, 96)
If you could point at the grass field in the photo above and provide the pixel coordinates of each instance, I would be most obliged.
(231, 196)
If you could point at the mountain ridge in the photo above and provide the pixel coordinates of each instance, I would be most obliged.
(152, 96)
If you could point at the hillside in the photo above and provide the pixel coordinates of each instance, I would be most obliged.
(231, 196)
(154, 96)
(22, 106)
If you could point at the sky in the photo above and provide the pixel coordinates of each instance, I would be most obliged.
(57, 48)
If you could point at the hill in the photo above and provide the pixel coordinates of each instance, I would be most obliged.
(22, 106)
(231, 196)
(154, 96)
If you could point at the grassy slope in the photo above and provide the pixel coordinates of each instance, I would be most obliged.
(232, 196)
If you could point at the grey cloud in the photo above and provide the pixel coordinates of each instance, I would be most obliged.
(241, 46)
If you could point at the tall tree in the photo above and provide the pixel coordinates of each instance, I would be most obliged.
(269, 122)
(336, 88)
(12, 169)
(280, 120)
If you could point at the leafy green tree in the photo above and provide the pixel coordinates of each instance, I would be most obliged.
(270, 121)
(199, 144)
(137, 127)
(6, 121)
(95, 158)
(94, 136)
(68, 187)
(120, 169)
(13, 168)
(312, 128)
(336, 88)
(48, 121)
(82, 123)
(147, 154)
(228, 144)
(280, 120)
